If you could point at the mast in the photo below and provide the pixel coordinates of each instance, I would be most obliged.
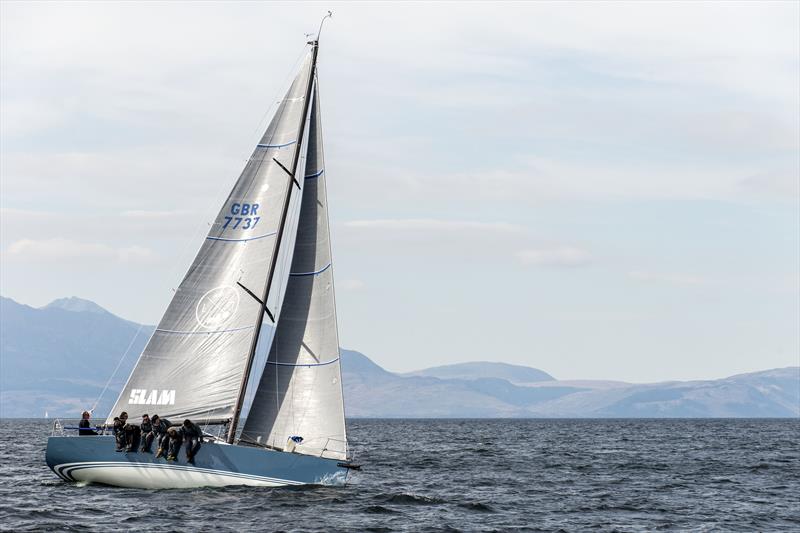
(263, 308)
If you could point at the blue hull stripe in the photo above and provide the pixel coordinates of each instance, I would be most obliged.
(313, 176)
(202, 332)
(310, 364)
(275, 145)
(223, 239)
(320, 271)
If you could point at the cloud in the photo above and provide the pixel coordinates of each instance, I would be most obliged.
(434, 225)
(141, 213)
(351, 285)
(785, 184)
(152, 179)
(59, 249)
(556, 256)
(667, 278)
(135, 254)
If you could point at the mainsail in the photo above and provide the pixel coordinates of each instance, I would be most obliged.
(300, 392)
(199, 355)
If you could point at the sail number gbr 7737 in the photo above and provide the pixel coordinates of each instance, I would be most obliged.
(242, 216)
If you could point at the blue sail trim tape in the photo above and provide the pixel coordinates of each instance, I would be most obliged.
(275, 145)
(311, 273)
(224, 239)
(312, 176)
(299, 364)
(202, 332)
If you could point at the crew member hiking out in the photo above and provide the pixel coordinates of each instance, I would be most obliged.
(193, 435)
(146, 429)
(175, 442)
(159, 435)
(119, 431)
(133, 435)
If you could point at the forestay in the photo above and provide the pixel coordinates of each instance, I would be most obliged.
(194, 363)
(300, 391)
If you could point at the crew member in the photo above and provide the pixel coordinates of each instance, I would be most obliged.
(175, 442)
(159, 434)
(119, 431)
(146, 429)
(193, 435)
(132, 435)
(85, 425)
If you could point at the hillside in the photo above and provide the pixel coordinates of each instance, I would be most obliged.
(485, 369)
(58, 358)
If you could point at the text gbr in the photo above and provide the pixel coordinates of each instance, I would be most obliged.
(242, 216)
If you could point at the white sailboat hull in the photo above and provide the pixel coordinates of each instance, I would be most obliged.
(94, 460)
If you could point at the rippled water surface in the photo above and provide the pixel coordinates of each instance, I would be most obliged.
(471, 475)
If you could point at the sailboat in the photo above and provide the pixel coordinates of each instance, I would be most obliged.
(252, 324)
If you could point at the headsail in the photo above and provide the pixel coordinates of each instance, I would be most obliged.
(300, 392)
(194, 363)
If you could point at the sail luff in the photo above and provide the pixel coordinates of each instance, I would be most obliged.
(265, 298)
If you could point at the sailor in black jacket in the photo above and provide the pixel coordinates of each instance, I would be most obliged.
(193, 435)
(175, 439)
(86, 425)
(146, 428)
(119, 431)
(159, 434)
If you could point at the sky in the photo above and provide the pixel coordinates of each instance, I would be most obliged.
(599, 190)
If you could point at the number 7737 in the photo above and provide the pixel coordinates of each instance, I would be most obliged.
(241, 222)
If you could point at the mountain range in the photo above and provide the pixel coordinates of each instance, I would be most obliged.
(57, 359)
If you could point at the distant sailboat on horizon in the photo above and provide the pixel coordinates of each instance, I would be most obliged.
(252, 324)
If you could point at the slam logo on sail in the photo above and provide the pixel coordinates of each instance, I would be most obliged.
(152, 397)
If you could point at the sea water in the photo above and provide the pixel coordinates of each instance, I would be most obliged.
(468, 475)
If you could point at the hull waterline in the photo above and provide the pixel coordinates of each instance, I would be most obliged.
(94, 459)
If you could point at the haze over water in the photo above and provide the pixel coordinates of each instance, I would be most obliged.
(469, 475)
